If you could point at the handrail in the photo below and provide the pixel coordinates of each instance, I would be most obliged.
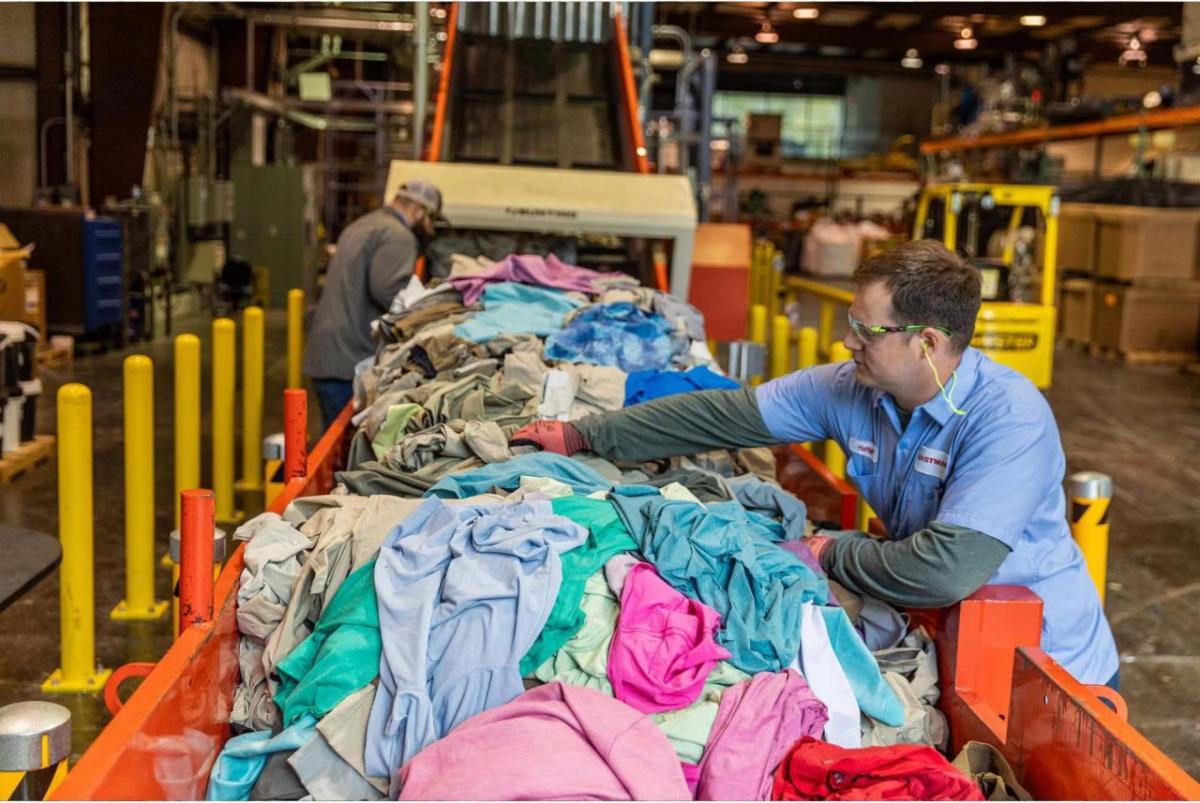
(819, 289)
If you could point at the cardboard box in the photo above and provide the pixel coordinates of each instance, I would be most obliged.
(1075, 309)
(35, 300)
(764, 126)
(1133, 318)
(13, 258)
(1136, 242)
(1077, 231)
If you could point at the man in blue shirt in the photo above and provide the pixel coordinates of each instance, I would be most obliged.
(959, 456)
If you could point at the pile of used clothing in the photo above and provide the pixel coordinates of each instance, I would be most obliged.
(465, 619)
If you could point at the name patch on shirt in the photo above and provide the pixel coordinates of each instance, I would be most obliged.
(864, 448)
(933, 462)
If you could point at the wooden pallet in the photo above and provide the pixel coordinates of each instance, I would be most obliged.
(27, 456)
(49, 357)
(1146, 357)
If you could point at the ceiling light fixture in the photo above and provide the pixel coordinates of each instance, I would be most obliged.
(806, 13)
(1033, 20)
(912, 59)
(1133, 54)
(942, 69)
(766, 34)
(737, 55)
(965, 44)
(966, 33)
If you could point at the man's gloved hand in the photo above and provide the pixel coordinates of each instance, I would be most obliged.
(560, 437)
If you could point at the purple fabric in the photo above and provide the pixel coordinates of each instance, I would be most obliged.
(801, 550)
(691, 774)
(528, 269)
(664, 644)
(552, 742)
(758, 722)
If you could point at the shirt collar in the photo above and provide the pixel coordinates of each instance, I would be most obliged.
(936, 408)
(399, 215)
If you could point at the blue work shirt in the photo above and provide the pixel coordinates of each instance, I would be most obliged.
(998, 470)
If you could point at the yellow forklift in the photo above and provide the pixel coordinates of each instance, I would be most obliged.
(1010, 233)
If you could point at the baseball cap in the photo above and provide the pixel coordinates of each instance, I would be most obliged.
(425, 194)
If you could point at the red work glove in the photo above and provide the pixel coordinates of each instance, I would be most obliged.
(816, 544)
(560, 437)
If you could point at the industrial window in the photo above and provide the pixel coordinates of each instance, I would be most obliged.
(813, 125)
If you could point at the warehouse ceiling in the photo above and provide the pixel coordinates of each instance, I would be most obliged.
(887, 31)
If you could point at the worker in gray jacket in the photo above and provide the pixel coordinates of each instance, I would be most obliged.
(959, 455)
(375, 257)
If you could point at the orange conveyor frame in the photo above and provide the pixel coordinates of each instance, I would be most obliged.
(997, 686)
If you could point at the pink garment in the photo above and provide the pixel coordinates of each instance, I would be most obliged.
(758, 722)
(691, 774)
(552, 742)
(663, 646)
(528, 269)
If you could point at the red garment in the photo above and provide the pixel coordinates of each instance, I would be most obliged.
(816, 770)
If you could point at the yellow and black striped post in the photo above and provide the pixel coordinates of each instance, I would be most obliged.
(1091, 497)
(35, 743)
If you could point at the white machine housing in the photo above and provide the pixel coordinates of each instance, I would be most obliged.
(554, 201)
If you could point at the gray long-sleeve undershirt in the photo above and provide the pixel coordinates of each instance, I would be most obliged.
(933, 567)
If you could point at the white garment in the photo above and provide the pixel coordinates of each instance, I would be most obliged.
(820, 667)
(558, 394)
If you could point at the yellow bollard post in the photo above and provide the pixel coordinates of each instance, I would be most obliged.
(865, 514)
(139, 603)
(758, 333)
(806, 355)
(295, 337)
(187, 416)
(825, 332)
(78, 672)
(1091, 495)
(806, 348)
(781, 345)
(224, 356)
(835, 458)
(252, 399)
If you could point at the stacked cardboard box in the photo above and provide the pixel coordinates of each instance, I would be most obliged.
(764, 141)
(1138, 291)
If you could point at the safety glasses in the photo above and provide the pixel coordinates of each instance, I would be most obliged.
(869, 332)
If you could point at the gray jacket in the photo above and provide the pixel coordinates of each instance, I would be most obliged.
(375, 257)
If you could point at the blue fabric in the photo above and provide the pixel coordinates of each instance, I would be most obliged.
(998, 470)
(618, 334)
(507, 475)
(517, 309)
(643, 386)
(464, 590)
(243, 757)
(333, 395)
(717, 555)
(339, 657)
(873, 694)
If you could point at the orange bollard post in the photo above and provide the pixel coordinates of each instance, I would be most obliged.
(196, 557)
(295, 434)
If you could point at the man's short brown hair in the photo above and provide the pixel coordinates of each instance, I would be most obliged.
(929, 285)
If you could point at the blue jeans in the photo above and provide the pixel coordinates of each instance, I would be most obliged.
(333, 395)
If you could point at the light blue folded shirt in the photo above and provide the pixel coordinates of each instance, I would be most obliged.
(241, 761)
(510, 308)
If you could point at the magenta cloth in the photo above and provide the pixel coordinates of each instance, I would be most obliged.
(664, 644)
(691, 774)
(554, 742)
(527, 269)
(758, 722)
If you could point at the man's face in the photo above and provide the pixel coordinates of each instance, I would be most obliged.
(886, 361)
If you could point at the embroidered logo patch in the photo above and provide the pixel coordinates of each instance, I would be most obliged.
(933, 462)
(864, 448)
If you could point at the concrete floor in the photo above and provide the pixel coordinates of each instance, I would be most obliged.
(1141, 425)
